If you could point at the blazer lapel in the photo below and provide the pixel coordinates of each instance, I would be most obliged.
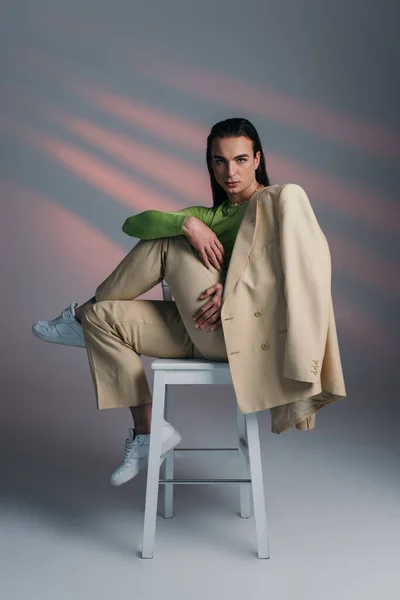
(242, 246)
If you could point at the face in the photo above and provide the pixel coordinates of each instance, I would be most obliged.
(233, 160)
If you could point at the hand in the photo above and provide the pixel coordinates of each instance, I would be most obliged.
(205, 241)
(209, 315)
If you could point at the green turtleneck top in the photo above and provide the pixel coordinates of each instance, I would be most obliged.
(224, 220)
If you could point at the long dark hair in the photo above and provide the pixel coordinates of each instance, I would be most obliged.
(234, 127)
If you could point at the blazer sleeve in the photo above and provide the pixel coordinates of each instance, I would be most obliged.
(306, 265)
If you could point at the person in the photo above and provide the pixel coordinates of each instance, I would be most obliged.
(191, 250)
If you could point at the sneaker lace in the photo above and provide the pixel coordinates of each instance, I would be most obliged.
(67, 312)
(130, 445)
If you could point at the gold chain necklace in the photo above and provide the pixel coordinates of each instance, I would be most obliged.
(227, 205)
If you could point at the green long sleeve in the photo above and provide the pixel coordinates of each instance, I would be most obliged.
(152, 224)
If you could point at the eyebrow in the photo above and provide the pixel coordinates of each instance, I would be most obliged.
(238, 156)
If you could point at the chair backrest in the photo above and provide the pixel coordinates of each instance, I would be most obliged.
(166, 291)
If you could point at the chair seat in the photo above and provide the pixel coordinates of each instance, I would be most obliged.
(180, 364)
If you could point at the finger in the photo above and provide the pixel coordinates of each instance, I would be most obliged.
(216, 324)
(220, 246)
(208, 291)
(205, 259)
(213, 258)
(208, 320)
(213, 321)
(207, 315)
(219, 254)
(213, 302)
(204, 314)
(201, 311)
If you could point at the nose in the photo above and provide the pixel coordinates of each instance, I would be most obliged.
(231, 170)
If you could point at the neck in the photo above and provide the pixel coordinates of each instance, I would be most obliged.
(245, 195)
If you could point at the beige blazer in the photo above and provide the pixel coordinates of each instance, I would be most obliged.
(277, 312)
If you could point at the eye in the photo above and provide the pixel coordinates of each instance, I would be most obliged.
(218, 160)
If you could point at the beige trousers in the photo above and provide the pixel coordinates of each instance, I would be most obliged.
(119, 328)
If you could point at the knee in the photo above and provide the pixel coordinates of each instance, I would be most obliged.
(94, 315)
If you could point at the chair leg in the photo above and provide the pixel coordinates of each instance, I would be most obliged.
(260, 515)
(245, 489)
(168, 466)
(153, 468)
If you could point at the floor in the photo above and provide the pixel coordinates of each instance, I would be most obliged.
(332, 509)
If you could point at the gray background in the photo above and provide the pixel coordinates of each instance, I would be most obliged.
(104, 112)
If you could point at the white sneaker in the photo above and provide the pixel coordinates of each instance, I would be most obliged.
(64, 329)
(137, 450)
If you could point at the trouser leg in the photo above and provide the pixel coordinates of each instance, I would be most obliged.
(175, 260)
(119, 328)
(117, 332)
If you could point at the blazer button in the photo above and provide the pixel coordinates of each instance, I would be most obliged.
(257, 314)
(265, 346)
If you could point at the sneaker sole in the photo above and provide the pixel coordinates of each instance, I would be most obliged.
(60, 341)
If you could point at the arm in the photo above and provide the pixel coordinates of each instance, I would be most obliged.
(152, 224)
(306, 265)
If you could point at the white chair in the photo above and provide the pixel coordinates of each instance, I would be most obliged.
(168, 372)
